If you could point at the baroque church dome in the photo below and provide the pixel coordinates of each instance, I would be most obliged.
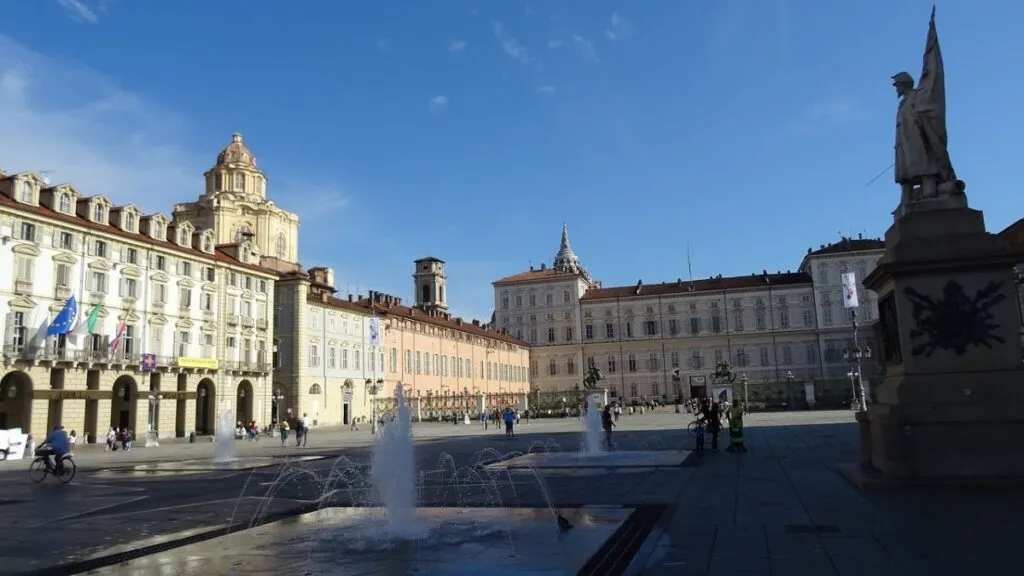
(236, 153)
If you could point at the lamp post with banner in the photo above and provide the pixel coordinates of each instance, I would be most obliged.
(851, 302)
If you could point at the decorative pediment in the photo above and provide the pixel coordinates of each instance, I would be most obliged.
(25, 249)
(102, 200)
(100, 265)
(65, 258)
(186, 283)
(158, 320)
(129, 317)
(248, 295)
(68, 189)
(209, 327)
(209, 287)
(248, 332)
(56, 306)
(161, 277)
(346, 344)
(21, 303)
(131, 272)
(184, 324)
(314, 340)
(103, 312)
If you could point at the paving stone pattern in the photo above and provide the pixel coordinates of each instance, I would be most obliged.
(781, 509)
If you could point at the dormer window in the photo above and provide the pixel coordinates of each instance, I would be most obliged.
(183, 237)
(99, 213)
(129, 222)
(27, 192)
(241, 234)
(240, 182)
(207, 244)
(64, 203)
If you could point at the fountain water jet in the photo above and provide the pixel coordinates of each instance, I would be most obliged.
(224, 441)
(394, 471)
(592, 430)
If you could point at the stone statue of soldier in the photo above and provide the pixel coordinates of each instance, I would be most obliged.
(922, 167)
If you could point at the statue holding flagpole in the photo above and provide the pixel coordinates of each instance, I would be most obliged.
(922, 167)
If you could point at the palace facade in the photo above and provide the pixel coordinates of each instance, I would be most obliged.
(663, 340)
(336, 354)
(173, 322)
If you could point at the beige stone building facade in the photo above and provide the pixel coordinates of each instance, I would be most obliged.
(180, 333)
(335, 352)
(663, 340)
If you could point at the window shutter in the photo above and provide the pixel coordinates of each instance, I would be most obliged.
(9, 330)
(91, 248)
(106, 343)
(121, 288)
(16, 230)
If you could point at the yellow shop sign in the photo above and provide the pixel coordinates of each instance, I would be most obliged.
(207, 363)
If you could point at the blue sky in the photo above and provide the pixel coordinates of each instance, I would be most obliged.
(470, 130)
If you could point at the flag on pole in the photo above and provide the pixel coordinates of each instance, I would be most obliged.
(374, 331)
(119, 337)
(65, 320)
(850, 291)
(88, 325)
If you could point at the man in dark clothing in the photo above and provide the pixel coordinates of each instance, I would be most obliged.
(607, 423)
(714, 424)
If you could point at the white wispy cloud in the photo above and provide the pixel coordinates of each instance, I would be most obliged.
(100, 138)
(618, 28)
(318, 200)
(79, 10)
(555, 44)
(585, 47)
(509, 44)
(546, 89)
(438, 102)
(457, 46)
(104, 139)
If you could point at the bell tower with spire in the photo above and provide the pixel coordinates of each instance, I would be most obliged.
(566, 260)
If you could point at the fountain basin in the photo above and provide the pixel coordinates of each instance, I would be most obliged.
(623, 459)
(185, 467)
(356, 541)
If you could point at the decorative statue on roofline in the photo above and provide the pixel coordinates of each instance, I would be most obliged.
(922, 167)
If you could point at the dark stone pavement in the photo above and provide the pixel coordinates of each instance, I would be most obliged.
(780, 509)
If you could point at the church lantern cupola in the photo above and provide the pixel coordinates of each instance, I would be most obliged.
(236, 172)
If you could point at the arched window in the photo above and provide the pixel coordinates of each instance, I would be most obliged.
(282, 246)
(207, 243)
(240, 182)
(98, 213)
(426, 293)
(64, 204)
(241, 234)
(26, 191)
(218, 182)
(129, 222)
(314, 389)
(440, 294)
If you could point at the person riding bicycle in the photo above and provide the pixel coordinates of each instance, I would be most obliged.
(56, 445)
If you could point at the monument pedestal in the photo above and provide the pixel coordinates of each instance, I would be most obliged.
(951, 405)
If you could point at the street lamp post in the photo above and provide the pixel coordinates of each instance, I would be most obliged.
(465, 406)
(373, 388)
(152, 440)
(746, 402)
(277, 399)
(853, 355)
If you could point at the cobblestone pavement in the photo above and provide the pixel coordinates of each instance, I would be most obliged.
(780, 509)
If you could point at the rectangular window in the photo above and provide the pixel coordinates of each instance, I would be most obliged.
(551, 334)
(568, 333)
(588, 331)
(650, 328)
(629, 329)
(673, 327)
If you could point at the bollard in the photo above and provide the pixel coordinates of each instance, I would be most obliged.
(192, 437)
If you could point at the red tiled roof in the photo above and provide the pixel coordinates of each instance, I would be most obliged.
(849, 245)
(46, 212)
(704, 285)
(365, 306)
(531, 275)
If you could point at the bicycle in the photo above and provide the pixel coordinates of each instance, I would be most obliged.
(41, 467)
(697, 428)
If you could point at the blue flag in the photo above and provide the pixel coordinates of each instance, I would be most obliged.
(65, 320)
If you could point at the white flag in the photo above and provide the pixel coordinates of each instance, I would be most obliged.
(850, 291)
(374, 331)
